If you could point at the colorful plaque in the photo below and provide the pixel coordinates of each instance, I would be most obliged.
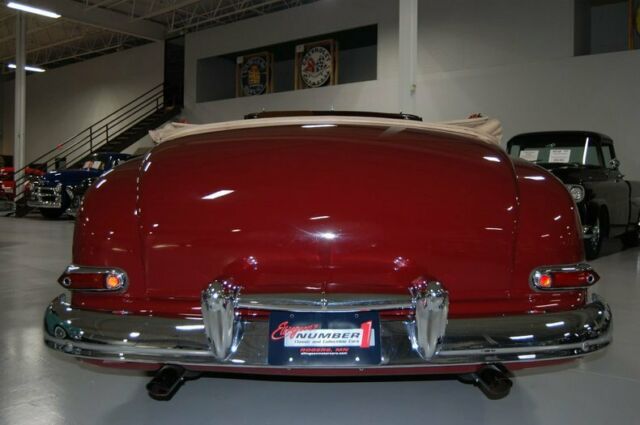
(316, 64)
(253, 74)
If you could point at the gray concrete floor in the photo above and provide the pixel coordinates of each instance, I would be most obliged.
(42, 387)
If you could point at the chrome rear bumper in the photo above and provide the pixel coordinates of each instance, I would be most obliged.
(468, 341)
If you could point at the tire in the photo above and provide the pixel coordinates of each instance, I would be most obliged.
(632, 238)
(593, 245)
(52, 213)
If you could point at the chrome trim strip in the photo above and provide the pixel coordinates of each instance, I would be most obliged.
(315, 302)
(318, 303)
(150, 339)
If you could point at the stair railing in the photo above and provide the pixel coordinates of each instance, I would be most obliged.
(97, 135)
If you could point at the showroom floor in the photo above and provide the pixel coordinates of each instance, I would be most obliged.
(41, 387)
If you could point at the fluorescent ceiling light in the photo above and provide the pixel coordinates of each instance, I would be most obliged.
(27, 68)
(31, 9)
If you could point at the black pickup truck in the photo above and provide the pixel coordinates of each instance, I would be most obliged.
(586, 163)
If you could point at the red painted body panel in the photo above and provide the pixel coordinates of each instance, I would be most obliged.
(339, 209)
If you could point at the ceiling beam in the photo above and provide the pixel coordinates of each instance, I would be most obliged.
(167, 9)
(103, 18)
(100, 4)
(215, 17)
(79, 55)
(46, 46)
(30, 31)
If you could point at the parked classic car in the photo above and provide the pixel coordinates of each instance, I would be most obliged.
(7, 171)
(586, 163)
(327, 245)
(6, 180)
(57, 191)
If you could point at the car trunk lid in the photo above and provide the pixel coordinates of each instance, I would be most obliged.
(334, 209)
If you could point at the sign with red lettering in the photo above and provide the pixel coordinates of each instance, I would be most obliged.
(324, 338)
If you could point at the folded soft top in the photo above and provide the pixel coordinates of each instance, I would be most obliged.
(486, 129)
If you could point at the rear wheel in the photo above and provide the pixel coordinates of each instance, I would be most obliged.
(594, 243)
(632, 238)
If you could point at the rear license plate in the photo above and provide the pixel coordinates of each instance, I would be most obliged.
(319, 339)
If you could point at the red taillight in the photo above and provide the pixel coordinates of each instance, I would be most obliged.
(545, 281)
(82, 280)
(577, 276)
(79, 278)
(572, 279)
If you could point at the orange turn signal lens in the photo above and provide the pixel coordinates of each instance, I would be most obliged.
(113, 281)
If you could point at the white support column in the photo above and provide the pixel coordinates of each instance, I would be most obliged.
(408, 54)
(20, 98)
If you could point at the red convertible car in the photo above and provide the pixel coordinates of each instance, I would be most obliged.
(328, 244)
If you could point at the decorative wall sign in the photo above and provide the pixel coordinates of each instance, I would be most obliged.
(253, 74)
(316, 64)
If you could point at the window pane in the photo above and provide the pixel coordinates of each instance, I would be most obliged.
(606, 153)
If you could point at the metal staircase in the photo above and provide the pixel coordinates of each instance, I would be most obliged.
(113, 133)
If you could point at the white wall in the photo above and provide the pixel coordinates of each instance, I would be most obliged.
(63, 101)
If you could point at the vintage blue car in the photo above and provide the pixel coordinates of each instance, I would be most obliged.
(61, 191)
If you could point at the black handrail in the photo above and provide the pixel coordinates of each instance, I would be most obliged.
(104, 130)
(99, 133)
(99, 121)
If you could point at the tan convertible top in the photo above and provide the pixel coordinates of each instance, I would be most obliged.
(486, 129)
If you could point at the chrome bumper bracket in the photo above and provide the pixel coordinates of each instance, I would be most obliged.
(431, 307)
(218, 315)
